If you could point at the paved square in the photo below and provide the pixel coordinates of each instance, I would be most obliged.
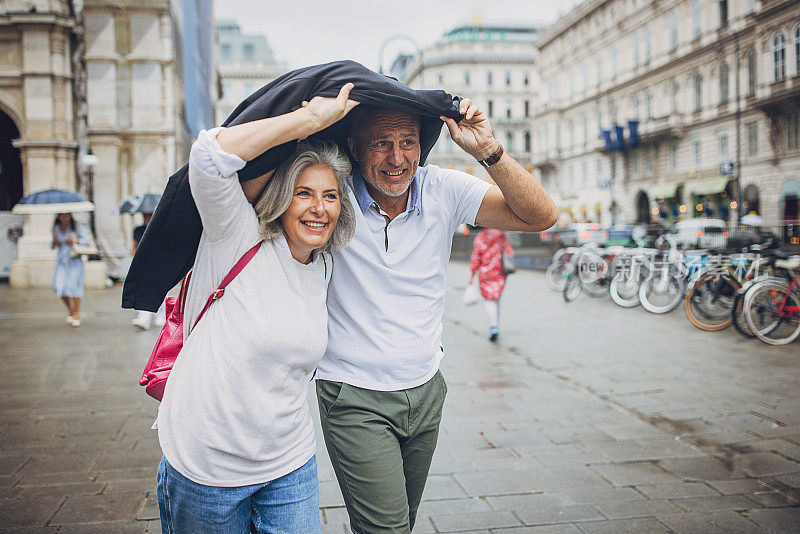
(585, 417)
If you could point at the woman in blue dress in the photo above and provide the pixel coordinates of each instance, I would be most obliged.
(68, 275)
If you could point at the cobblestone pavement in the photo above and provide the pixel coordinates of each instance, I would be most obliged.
(585, 417)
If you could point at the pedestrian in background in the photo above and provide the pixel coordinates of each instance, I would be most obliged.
(143, 318)
(487, 261)
(68, 273)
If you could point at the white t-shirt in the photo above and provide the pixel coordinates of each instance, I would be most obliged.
(234, 411)
(386, 297)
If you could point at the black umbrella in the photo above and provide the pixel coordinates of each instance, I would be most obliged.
(139, 203)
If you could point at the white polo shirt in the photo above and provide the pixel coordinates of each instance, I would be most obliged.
(386, 296)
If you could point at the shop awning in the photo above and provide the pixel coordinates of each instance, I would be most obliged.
(663, 190)
(708, 186)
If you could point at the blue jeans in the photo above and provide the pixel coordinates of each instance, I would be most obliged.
(289, 504)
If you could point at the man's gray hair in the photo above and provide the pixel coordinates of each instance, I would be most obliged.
(278, 193)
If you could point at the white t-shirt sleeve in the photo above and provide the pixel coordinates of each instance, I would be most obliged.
(463, 194)
(215, 186)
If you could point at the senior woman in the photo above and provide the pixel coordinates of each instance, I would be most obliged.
(234, 424)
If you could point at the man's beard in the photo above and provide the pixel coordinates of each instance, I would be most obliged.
(384, 191)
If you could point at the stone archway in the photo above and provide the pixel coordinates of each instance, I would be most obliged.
(10, 163)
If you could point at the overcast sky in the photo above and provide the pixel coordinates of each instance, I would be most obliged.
(307, 32)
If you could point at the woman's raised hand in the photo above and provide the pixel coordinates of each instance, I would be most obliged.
(324, 111)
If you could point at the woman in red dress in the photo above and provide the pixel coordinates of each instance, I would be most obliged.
(487, 261)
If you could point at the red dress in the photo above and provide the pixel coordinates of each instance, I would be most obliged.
(487, 261)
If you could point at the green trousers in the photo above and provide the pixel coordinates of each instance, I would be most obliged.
(381, 444)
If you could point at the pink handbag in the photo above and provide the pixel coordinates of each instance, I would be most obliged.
(170, 340)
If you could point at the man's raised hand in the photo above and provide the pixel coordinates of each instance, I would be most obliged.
(473, 133)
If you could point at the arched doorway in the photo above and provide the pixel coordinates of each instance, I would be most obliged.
(10, 164)
(752, 200)
(642, 208)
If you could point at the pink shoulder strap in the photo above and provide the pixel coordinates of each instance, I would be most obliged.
(235, 270)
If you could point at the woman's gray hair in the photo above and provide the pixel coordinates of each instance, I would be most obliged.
(278, 193)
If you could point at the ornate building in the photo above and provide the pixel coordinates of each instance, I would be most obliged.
(245, 64)
(495, 66)
(653, 109)
(130, 82)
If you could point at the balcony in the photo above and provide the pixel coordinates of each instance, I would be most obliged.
(661, 128)
(546, 160)
(774, 98)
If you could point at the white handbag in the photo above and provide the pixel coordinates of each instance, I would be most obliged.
(471, 295)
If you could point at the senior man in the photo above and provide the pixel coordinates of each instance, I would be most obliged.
(379, 387)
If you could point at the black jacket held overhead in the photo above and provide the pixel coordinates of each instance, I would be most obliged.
(168, 247)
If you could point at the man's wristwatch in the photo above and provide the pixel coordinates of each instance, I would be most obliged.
(494, 158)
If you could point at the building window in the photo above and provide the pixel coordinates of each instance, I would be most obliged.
(526, 79)
(584, 77)
(225, 51)
(793, 131)
(613, 61)
(527, 141)
(673, 30)
(752, 73)
(673, 156)
(571, 130)
(796, 39)
(612, 112)
(647, 44)
(571, 80)
(635, 48)
(722, 140)
(558, 136)
(510, 141)
(649, 160)
(648, 104)
(585, 129)
(635, 106)
(723, 13)
(248, 51)
(508, 79)
(697, 18)
(440, 78)
(752, 139)
(490, 109)
(779, 56)
(675, 92)
(571, 183)
(634, 163)
(599, 69)
(466, 78)
(508, 109)
(489, 78)
(696, 154)
(585, 173)
(527, 108)
(723, 83)
(698, 91)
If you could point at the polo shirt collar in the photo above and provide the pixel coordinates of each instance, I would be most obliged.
(365, 200)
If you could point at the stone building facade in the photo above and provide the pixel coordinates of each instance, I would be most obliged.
(710, 89)
(245, 63)
(133, 56)
(495, 66)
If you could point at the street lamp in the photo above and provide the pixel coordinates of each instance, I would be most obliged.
(399, 36)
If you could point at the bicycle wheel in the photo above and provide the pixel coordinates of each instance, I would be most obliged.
(737, 314)
(662, 292)
(572, 287)
(709, 301)
(555, 276)
(765, 316)
(624, 290)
